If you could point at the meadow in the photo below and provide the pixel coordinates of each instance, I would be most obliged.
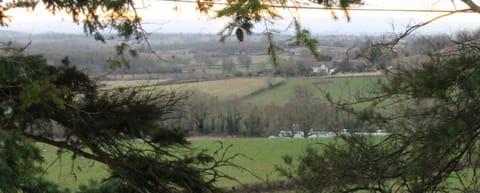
(228, 88)
(265, 90)
(260, 156)
(339, 88)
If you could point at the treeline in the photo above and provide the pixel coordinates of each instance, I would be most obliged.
(184, 56)
(206, 115)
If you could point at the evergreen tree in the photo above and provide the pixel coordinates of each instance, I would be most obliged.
(432, 111)
(38, 100)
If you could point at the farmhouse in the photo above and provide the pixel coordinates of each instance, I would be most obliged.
(323, 69)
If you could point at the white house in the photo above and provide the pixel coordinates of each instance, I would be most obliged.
(323, 69)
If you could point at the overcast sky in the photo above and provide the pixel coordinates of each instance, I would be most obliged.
(160, 17)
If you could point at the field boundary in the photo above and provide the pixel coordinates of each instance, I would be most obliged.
(269, 87)
(360, 74)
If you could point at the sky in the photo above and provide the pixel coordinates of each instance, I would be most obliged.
(160, 16)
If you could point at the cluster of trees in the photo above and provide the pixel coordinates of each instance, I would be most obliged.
(203, 114)
(300, 62)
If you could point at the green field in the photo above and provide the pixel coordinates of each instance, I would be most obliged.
(261, 155)
(68, 173)
(340, 88)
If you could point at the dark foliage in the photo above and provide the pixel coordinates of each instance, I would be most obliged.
(432, 109)
(121, 128)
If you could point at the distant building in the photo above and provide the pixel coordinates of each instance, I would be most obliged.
(323, 69)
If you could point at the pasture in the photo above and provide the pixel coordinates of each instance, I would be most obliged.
(265, 90)
(260, 157)
(339, 88)
(228, 88)
(67, 172)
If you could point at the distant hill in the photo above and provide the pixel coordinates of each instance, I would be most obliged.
(6, 34)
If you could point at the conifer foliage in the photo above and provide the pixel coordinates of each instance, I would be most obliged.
(122, 129)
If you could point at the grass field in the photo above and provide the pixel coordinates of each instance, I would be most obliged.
(340, 88)
(261, 156)
(228, 88)
(68, 173)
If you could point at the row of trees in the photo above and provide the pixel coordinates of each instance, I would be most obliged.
(203, 114)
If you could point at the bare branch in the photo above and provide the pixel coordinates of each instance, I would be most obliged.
(474, 6)
(411, 29)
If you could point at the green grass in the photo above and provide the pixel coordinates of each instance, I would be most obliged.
(261, 156)
(340, 88)
(68, 173)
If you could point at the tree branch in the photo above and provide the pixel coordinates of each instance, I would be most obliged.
(65, 146)
(474, 6)
(411, 29)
